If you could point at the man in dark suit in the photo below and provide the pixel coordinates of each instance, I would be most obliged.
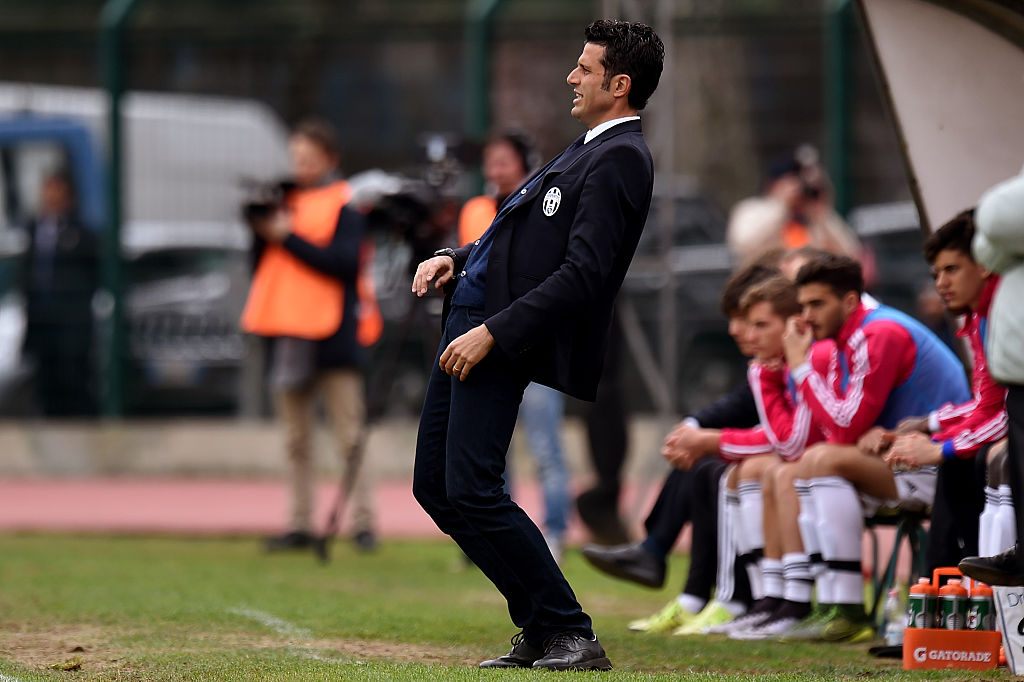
(61, 274)
(532, 302)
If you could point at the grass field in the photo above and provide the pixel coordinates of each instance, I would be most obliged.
(144, 608)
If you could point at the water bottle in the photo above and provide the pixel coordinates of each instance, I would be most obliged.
(924, 599)
(894, 619)
(952, 605)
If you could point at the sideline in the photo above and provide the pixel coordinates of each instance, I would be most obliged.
(278, 625)
(286, 629)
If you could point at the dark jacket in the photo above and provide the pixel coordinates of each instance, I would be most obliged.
(556, 266)
(59, 287)
(735, 410)
(339, 259)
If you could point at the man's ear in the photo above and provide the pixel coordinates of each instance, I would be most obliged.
(620, 85)
(851, 299)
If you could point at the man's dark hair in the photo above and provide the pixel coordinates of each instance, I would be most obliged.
(321, 133)
(521, 145)
(778, 291)
(738, 285)
(955, 235)
(633, 49)
(842, 274)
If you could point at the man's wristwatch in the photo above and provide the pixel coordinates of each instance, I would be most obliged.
(447, 252)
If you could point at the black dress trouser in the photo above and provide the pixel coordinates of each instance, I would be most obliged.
(463, 438)
(1015, 415)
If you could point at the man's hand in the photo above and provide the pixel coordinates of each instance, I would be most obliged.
(912, 424)
(913, 450)
(876, 441)
(438, 270)
(685, 445)
(796, 341)
(467, 350)
(276, 228)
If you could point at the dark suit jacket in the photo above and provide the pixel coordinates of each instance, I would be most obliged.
(560, 256)
(735, 410)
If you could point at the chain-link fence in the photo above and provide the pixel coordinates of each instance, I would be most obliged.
(213, 85)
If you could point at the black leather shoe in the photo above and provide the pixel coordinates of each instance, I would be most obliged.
(573, 651)
(523, 655)
(597, 510)
(365, 541)
(629, 562)
(296, 539)
(1001, 569)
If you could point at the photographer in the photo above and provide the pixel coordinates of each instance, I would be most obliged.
(308, 294)
(795, 209)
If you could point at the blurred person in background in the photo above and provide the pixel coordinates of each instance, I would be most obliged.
(930, 309)
(608, 445)
(999, 246)
(795, 209)
(508, 158)
(310, 295)
(61, 279)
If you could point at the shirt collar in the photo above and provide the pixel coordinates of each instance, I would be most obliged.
(973, 317)
(852, 323)
(598, 129)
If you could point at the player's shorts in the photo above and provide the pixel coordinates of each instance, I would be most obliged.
(915, 492)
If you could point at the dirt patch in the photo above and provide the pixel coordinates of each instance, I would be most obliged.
(346, 650)
(391, 651)
(90, 645)
(58, 645)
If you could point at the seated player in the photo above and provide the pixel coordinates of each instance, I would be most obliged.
(690, 496)
(784, 431)
(952, 435)
(885, 366)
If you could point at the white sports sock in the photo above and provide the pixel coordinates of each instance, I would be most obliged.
(690, 603)
(987, 523)
(808, 518)
(840, 526)
(824, 586)
(736, 608)
(725, 582)
(742, 545)
(771, 571)
(808, 522)
(750, 532)
(752, 510)
(1006, 520)
(796, 572)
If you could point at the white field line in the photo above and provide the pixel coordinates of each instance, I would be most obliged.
(8, 678)
(278, 625)
(281, 627)
(313, 656)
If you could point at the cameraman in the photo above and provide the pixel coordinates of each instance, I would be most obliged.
(308, 294)
(795, 209)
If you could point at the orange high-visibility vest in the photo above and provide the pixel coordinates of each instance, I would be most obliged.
(371, 324)
(288, 297)
(476, 216)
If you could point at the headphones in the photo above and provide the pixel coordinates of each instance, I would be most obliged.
(523, 146)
